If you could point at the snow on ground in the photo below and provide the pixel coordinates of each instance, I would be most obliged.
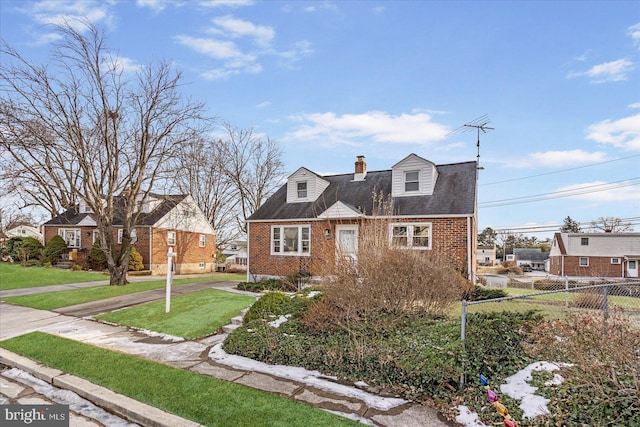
(311, 378)
(65, 397)
(279, 321)
(517, 387)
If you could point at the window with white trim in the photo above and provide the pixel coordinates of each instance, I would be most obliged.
(71, 236)
(171, 238)
(202, 241)
(302, 189)
(584, 241)
(290, 239)
(134, 236)
(584, 261)
(412, 181)
(96, 236)
(410, 235)
(615, 260)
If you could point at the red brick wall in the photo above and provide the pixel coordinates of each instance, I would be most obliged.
(449, 240)
(598, 267)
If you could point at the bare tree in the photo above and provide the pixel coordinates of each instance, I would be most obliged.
(254, 166)
(96, 135)
(200, 172)
(611, 224)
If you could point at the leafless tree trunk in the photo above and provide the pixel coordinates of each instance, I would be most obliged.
(81, 130)
(254, 165)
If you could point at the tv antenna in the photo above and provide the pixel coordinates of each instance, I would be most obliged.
(480, 124)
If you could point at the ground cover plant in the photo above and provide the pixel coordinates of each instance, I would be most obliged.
(191, 316)
(53, 300)
(14, 276)
(202, 399)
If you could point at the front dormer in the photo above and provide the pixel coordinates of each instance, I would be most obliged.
(305, 186)
(413, 176)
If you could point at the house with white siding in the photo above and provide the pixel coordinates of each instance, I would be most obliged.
(595, 254)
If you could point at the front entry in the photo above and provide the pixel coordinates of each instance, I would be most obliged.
(632, 268)
(347, 241)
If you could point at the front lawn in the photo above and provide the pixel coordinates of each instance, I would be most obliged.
(191, 316)
(15, 276)
(202, 399)
(53, 300)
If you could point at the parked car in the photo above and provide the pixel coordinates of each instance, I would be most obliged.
(526, 268)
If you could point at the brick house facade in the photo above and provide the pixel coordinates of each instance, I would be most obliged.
(299, 228)
(595, 255)
(167, 221)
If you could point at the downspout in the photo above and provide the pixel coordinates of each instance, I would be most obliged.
(470, 267)
(151, 249)
(248, 249)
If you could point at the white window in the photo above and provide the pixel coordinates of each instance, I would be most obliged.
(202, 241)
(290, 240)
(241, 261)
(302, 189)
(171, 238)
(584, 262)
(134, 237)
(584, 241)
(201, 265)
(412, 181)
(615, 260)
(71, 236)
(96, 236)
(411, 235)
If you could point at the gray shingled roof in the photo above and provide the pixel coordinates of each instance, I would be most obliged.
(72, 217)
(454, 194)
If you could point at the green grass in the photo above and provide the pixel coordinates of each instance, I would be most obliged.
(53, 300)
(202, 399)
(191, 316)
(14, 276)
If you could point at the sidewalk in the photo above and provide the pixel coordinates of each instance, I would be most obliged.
(204, 357)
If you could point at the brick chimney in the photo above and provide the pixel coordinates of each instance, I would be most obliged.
(361, 169)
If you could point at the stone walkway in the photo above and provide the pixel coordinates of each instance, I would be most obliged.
(205, 357)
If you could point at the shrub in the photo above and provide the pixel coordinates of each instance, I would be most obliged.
(12, 246)
(135, 260)
(480, 293)
(97, 258)
(509, 267)
(272, 303)
(54, 248)
(267, 285)
(605, 371)
(29, 249)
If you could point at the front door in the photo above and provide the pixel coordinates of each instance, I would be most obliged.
(632, 268)
(347, 241)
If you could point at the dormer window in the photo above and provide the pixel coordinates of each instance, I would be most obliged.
(302, 190)
(412, 181)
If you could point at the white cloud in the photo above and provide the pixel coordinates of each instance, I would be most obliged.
(237, 28)
(263, 104)
(634, 32)
(601, 191)
(154, 5)
(377, 126)
(70, 11)
(622, 133)
(612, 71)
(225, 3)
(565, 158)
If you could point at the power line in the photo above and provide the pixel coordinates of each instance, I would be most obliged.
(545, 228)
(562, 194)
(559, 171)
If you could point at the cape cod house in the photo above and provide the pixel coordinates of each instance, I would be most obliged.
(166, 221)
(300, 226)
(595, 254)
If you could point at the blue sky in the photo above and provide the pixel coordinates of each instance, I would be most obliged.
(330, 80)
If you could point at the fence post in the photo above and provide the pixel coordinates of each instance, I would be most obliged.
(605, 302)
(566, 292)
(463, 333)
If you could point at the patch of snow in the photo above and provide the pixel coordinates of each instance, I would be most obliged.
(361, 384)
(556, 380)
(468, 418)
(164, 337)
(66, 397)
(313, 294)
(517, 387)
(279, 321)
(311, 378)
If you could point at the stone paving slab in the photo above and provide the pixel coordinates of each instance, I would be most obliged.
(218, 372)
(269, 383)
(331, 403)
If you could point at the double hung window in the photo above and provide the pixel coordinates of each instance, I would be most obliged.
(71, 236)
(410, 235)
(412, 181)
(290, 240)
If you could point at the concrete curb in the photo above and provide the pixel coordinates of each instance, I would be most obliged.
(125, 407)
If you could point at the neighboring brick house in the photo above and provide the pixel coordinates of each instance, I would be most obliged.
(166, 221)
(595, 254)
(299, 227)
